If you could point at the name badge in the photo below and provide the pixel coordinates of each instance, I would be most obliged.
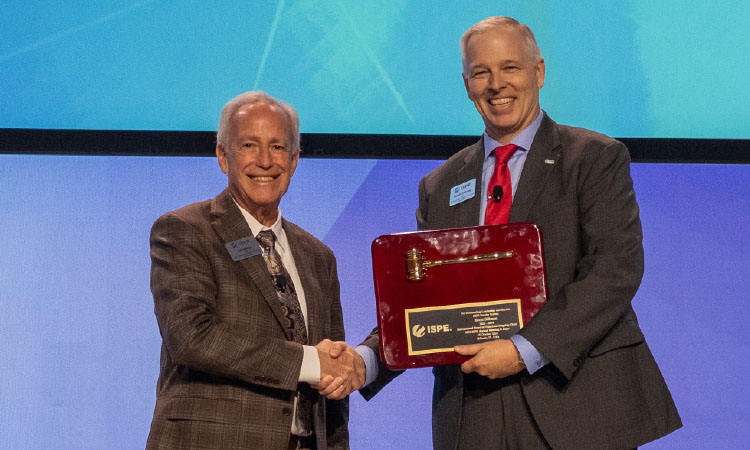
(462, 192)
(243, 248)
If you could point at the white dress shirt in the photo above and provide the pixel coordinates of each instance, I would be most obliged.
(310, 371)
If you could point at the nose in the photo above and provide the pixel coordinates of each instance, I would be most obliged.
(496, 82)
(264, 159)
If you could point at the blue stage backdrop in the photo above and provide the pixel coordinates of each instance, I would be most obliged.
(636, 68)
(79, 343)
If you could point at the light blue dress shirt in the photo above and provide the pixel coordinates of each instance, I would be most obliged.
(530, 355)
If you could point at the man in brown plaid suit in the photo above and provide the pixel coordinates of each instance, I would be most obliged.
(242, 297)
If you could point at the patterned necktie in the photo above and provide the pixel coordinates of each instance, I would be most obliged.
(499, 189)
(295, 321)
(284, 287)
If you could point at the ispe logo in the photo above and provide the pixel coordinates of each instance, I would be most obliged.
(419, 330)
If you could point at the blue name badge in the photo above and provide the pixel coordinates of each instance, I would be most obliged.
(462, 192)
(243, 248)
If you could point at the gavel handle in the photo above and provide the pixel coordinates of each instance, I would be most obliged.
(469, 259)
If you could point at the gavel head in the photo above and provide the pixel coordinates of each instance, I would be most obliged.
(414, 265)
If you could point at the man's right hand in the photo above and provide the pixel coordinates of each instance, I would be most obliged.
(342, 370)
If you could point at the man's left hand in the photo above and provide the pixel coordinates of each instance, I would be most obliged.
(494, 359)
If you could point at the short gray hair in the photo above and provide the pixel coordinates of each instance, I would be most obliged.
(256, 97)
(495, 22)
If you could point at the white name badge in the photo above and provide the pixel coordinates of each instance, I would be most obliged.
(462, 192)
(243, 248)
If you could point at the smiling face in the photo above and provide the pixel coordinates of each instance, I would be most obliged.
(258, 160)
(503, 78)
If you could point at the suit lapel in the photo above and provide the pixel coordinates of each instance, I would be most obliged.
(230, 225)
(306, 270)
(543, 155)
(467, 214)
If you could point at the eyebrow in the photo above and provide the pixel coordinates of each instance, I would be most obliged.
(250, 137)
(504, 61)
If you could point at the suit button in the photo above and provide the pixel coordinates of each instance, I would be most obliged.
(286, 411)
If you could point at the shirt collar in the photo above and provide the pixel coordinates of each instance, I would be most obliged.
(256, 227)
(523, 140)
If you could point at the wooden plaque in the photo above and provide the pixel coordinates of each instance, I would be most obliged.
(436, 289)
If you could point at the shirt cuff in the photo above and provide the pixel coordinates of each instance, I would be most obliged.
(371, 363)
(310, 372)
(529, 354)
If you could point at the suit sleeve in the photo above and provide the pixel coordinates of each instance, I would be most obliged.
(422, 208)
(385, 375)
(197, 333)
(604, 231)
(337, 411)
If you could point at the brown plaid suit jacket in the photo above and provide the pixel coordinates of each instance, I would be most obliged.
(228, 369)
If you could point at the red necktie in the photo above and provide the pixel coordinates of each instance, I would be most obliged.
(499, 189)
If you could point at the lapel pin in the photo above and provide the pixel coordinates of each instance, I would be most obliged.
(549, 161)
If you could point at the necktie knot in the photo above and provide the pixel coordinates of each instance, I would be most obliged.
(266, 239)
(503, 153)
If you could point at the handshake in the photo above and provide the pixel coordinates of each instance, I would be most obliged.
(342, 370)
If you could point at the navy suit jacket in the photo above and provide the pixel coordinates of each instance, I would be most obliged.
(602, 388)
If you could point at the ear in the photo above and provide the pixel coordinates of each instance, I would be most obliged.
(466, 86)
(540, 73)
(293, 164)
(221, 155)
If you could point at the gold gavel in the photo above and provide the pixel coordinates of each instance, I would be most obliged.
(415, 265)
